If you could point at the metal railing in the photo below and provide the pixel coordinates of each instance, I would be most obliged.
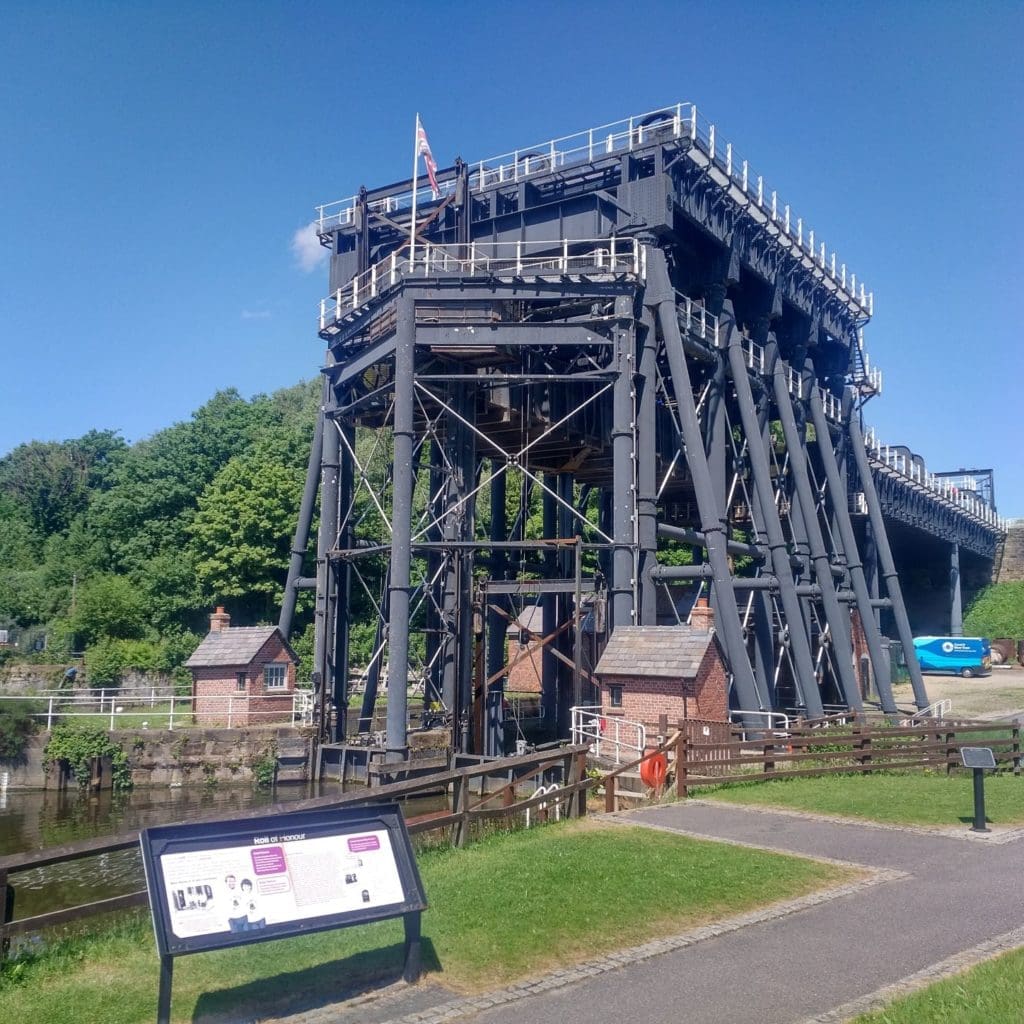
(564, 257)
(680, 121)
(776, 722)
(169, 711)
(940, 709)
(607, 735)
(896, 461)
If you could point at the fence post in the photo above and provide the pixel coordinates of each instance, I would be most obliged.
(950, 752)
(230, 708)
(6, 912)
(769, 758)
(170, 722)
(460, 804)
(609, 795)
(577, 806)
(1016, 746)
(682, 755)
(49, 715)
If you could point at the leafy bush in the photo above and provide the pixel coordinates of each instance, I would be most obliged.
(16, 728)
(76, 746)
(997, 611)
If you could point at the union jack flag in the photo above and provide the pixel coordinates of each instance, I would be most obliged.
(423, 150)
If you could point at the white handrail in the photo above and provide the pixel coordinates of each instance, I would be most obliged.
(113, 708)
(679, 121)
(895, 461)
(601, 731)
(511, 260)
(939, 709)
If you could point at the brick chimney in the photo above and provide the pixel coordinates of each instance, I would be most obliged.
(703, 616)
(219, 620)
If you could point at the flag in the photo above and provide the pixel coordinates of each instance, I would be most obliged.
(423, 150)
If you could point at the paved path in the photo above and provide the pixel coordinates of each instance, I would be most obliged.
(933, 897)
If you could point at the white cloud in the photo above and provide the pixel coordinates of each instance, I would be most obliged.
(306, 248)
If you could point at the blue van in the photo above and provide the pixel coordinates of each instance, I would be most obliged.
(965, 656)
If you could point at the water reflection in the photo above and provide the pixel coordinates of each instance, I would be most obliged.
(33, 819)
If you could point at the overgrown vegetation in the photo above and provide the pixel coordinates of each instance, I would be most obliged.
(76, 746)
(17, 726)
(998, 611)
(640, 884)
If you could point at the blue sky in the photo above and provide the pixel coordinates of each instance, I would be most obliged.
(156, 161)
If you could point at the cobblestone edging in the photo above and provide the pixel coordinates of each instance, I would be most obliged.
(562, 978)
(996, 837)
(956, 964)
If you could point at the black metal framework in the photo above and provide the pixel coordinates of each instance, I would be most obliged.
(578, 375)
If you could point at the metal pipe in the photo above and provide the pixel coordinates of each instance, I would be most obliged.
(800, 646)
(647, 481)
(661, 296)
(956, 606)
(698, 539)
(795, 446)
(326, 590)
(888, 566)
(840, 507)
(300, 541)
(623, 469)
(401, 535)
(343, 576)
(497, 625)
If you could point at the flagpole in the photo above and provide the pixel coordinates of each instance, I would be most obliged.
(415, 172)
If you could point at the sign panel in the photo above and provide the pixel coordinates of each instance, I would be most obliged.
(218, 884)
(977, 757)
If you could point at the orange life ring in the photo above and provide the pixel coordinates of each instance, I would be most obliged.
(653, 770)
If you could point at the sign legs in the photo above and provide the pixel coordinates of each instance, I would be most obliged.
(413, 958)
(163, 1003)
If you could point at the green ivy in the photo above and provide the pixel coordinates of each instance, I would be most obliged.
(264, 769)
(76, 746)
(16, 727)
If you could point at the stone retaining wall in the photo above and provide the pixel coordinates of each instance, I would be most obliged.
(183, 757)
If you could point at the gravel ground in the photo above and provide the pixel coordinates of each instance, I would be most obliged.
(996, 696)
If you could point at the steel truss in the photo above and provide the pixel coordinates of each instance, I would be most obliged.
(535, 435)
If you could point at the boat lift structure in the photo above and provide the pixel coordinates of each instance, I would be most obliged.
(599, 377)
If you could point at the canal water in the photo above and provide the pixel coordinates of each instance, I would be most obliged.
(33, 819)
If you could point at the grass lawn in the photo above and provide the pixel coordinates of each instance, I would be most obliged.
(507, 906)
(911, 798)
(987, 994)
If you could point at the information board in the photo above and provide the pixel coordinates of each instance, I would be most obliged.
(219, 884)
(977, 757)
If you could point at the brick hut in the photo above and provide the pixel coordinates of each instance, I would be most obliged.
(677, 671)
(242, 675)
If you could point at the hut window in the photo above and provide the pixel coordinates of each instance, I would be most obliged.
(274, 677)
(615, 695)
(240, 681)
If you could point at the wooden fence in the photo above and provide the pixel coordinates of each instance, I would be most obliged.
(480, 792)
(859, 747)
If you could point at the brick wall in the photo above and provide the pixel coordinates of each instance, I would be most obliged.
(525, 677)
(218, 697)
(645, 699)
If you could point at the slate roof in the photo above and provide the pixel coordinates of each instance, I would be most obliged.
(663, 652)
(236, 645)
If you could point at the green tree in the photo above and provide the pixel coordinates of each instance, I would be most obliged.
(998, 611)
(242, 531)
(108, 606)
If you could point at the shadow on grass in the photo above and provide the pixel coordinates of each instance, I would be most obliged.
(312, 988)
